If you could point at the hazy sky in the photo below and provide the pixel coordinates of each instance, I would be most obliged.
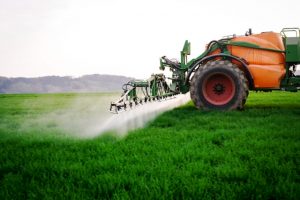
(77, 37)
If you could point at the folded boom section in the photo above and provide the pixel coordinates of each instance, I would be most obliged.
(138, 92)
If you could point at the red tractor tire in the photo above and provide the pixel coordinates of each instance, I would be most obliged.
(219, 85)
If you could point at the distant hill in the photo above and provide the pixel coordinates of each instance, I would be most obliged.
(58, 84)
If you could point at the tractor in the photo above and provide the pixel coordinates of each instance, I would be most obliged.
(222, 76)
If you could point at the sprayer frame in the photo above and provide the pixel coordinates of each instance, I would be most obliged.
(184, 70)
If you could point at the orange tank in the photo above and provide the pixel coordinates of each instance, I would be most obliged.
(266, 67)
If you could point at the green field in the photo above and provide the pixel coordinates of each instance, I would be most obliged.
(183, 154)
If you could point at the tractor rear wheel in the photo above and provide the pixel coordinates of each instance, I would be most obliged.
(219, 85)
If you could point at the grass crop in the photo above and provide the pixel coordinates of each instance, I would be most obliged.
(183, 154)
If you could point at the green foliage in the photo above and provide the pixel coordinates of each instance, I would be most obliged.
(183, 154)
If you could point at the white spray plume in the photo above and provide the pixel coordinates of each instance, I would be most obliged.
(136, 118)
(86, 118)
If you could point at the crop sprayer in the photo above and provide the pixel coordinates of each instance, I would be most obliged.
(222, 76)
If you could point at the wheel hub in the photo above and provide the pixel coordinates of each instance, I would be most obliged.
(219, 89)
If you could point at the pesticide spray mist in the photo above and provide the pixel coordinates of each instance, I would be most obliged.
(138, 117)
(86, 118)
